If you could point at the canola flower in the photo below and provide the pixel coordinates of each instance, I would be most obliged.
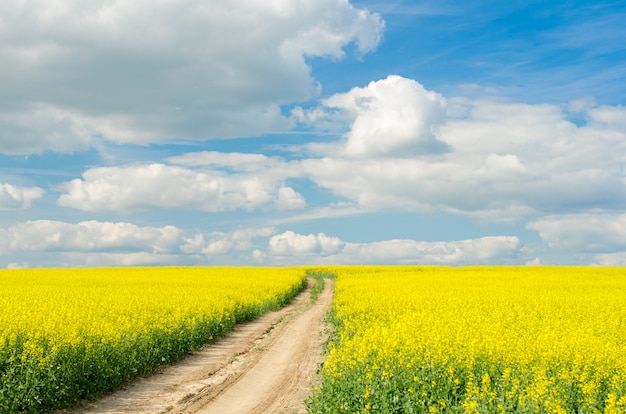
(67, 334)
(476, 340)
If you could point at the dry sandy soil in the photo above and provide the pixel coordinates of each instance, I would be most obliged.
(265, 366)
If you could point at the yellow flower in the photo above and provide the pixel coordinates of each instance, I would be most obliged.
(78, 315)
(503, 336)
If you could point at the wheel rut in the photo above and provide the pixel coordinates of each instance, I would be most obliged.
(268, 365)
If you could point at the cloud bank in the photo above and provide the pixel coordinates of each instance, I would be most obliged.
(94, 243)
(406, 149)
(144, 72)
(160, 186)
(154, 73)
(293, 247)
(589, 233)
(485, 157)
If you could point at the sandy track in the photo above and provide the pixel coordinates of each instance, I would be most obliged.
(265, 366)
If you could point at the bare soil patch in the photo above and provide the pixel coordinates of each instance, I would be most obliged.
(268, 365)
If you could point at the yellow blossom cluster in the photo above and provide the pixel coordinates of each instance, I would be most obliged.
(67, 334)
(477, 340)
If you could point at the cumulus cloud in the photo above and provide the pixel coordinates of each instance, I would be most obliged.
(475, 251)
(232, 162)
(15, 265)
(15, 198)
(298, 248)
(601, 233)
(610, 259)
(473, 186)
(104, 259)
(36, 126)
(219, 243)
(160, 186)
(88, 236)
(608, 117)
(95, 243)
(393, 116)
(486, 157)
(142, 72)
(290, 243)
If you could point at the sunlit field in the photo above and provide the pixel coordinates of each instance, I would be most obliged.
(476, 340)
(67, 334)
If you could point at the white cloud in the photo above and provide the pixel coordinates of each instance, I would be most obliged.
(269, 167)
(43, 126)
(102, 259)
(14, 265)
(582, 105)
(471, 186)
(144, 71)
(610, 259)
(160, 186)
(88, 236)
(237, 160)
(483, 250)
(258, 256)
(602, 233)
(13, 197)
(289, 199)
(487, 158)
(290, 243)
(94, 243)
(534, 262)
(298, 248)
(608, 116)
(220, 243)
(393, 116)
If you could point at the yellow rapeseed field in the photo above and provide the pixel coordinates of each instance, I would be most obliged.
(477, 340)
(67, 334)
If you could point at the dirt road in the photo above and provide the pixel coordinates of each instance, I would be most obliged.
(265, 366)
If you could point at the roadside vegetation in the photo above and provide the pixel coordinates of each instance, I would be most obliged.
(476, 340)
(319, 274)
(403, 339)
(71, 334)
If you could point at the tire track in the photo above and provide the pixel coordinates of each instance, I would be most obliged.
(264, 366)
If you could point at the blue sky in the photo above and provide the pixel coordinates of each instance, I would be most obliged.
(274, 133)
